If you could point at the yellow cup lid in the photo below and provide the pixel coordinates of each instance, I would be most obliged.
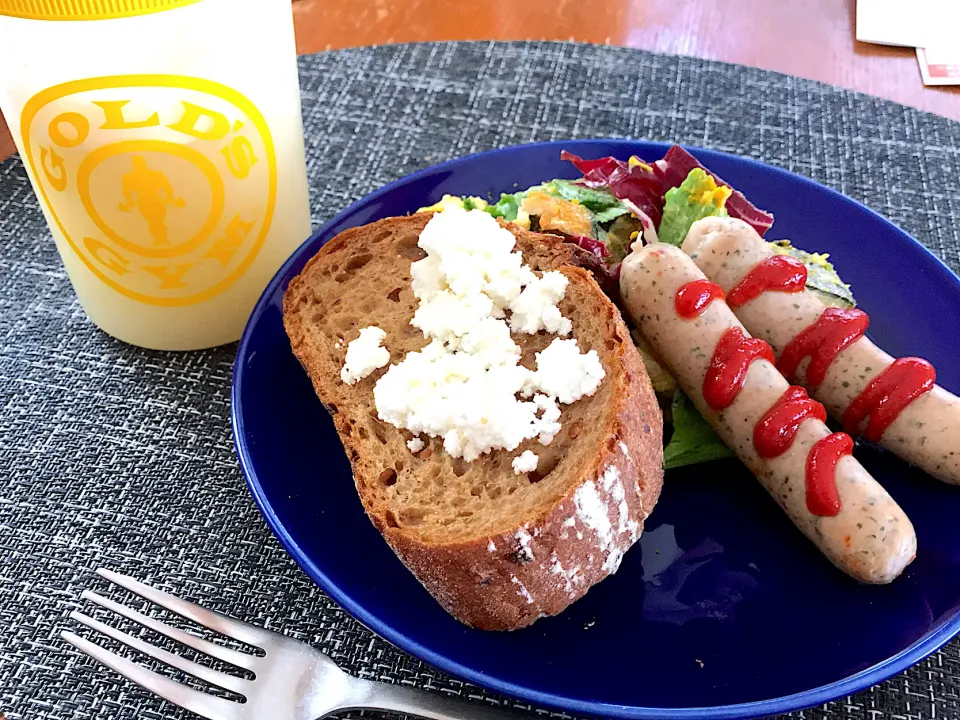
(86, 9)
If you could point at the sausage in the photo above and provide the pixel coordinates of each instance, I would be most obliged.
(926, 431)
(870, 538)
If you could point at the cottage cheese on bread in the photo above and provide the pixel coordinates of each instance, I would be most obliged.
(467, 385)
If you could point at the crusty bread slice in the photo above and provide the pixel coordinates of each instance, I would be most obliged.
(496, 549)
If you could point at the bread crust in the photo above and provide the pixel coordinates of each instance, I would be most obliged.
(509, 579)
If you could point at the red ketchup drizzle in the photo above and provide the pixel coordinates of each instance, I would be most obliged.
(882, 400)
(835, 330)
(780, 273)
(823, 498)
(887, 395)
(692, 299)
(777, 429)
(729, 364)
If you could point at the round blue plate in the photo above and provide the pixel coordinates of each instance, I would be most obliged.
(723, 609)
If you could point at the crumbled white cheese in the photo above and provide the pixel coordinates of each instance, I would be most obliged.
(364, 355)
(467, 386)
(457, 398)
(446, 316)
(415, 445)
(525, 462)
(566, 374)
(469, 254)
(490, 342)
(549, 419)
(535, 308)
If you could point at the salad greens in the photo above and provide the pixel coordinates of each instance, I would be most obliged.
(693, 440)
(507, 207)
(603, 206)
(696, 197)
(593, 199)
(617, 201)
(638, 185)
(821, 276)
(591, 217)
(473, 203)
(611, 213)
(676, 166)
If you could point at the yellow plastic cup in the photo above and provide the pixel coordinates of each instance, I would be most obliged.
(164, 141)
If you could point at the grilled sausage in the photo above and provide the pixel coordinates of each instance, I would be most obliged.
(925, 433)
(869, 536)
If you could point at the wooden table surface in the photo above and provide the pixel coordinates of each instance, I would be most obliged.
(810, 38)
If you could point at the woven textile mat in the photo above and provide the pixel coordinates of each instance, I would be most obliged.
(113, 455)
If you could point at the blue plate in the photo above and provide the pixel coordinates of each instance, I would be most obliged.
(723, 609)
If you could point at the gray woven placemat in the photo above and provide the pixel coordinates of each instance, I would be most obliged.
(112, 455)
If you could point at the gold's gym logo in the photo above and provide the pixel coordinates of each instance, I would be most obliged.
(164, 185)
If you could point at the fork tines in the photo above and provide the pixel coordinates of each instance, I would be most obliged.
(196, 701)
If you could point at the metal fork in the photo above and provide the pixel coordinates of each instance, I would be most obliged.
(291, 680)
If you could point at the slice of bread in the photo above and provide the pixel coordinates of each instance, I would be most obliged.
(496, 549)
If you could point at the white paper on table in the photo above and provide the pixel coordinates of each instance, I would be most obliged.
(939, 65)
(911, 23)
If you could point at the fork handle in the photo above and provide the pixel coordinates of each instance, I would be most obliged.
(421, 703)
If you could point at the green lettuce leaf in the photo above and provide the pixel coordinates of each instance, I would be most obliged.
(605, 211)
(603, 206)
(693, 440)
(822, 278)
(506, 207)
(605, 216)
(697, 197)
(593, 199)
